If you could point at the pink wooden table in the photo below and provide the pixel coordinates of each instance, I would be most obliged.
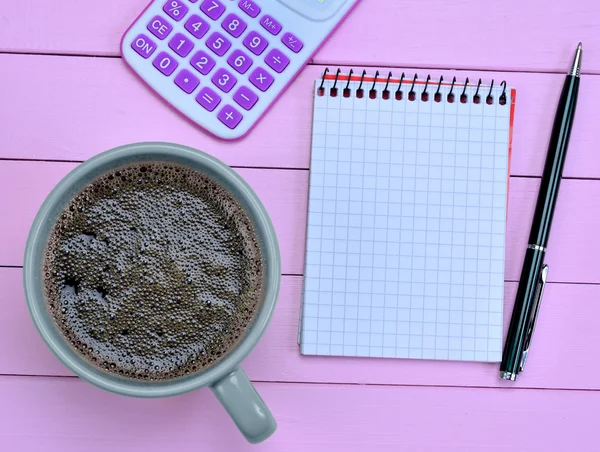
(65, 96)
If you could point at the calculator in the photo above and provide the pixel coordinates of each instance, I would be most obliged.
(223, 63)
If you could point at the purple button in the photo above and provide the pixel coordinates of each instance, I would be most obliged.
(197, 26)
(249, 7)
(212, 8)
(176, 9)
(271, 25)
(165, 63)
(224, 80)
(292, 42)
(245, 98)
(143, 45)
(181, 45)
(277, 60)
(261, 79)
(239, 61)
(230, 116)
(202, 62)
(208, 98)
(218, 43)
(256, 43)
(159, 27)
(234, 25)
(187, 81)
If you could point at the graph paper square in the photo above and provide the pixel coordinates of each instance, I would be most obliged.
(406, 226)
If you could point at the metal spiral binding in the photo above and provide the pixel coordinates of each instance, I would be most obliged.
(412, 94)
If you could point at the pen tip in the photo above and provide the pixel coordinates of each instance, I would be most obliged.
(576, 67)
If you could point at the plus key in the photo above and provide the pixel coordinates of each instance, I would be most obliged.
(229, 116)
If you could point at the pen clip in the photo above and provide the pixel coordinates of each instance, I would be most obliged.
(533, 320)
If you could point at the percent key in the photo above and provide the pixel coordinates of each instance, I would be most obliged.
(175, 9)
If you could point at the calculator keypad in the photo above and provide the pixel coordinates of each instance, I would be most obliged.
(224, 57)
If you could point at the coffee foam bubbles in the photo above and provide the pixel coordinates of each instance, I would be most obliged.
(153, 272)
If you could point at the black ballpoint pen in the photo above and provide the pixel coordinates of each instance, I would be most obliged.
(534, 272)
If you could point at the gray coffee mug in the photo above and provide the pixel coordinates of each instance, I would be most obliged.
(226, 378)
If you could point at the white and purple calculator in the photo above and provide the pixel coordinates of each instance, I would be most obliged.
(223, 63)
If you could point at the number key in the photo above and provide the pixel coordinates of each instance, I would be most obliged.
(181, 45)
(255, 43)
(202, 62)
(239, 61)
(165, 63)
(197, 26)
(218, 43)
(212, 8)
(224, 80)
(234, 25)
(175, 9)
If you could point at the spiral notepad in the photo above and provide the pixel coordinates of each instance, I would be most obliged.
(407, 218)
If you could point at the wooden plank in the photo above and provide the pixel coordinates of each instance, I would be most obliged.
(53, 414)
(483, 35)
(565, 338)
(284, 192)
(79, 107)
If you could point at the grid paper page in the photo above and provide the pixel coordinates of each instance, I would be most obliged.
(406, 226)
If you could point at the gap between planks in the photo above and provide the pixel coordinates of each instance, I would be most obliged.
(346, 384)
(312, 63)
(277, 168)
(301, 275)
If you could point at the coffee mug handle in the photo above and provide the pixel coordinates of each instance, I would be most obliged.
(245, 406)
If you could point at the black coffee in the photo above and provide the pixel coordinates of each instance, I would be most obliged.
(153, 272)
